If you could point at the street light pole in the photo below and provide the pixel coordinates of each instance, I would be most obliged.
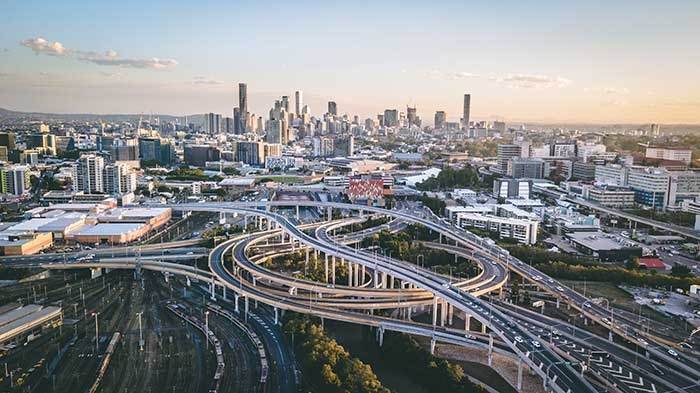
(140, 331)
(206, 324)
(97, 333)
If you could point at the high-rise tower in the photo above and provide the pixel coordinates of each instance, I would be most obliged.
(465, 111)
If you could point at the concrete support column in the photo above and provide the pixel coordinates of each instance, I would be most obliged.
(297, 212)
(520, 376)
(450, 314)
(435, 310)
(490, 348)
(326, 256)
(349, 274)
(408, 313)
(224, 287)
(333, 268)
(356, 271)
(432, 346)
(467, 322)
(276, 316)
(213, 291)
(381, 336)
(391, 282)
(483, 328)
(307, 256)
(363, 274)
(246, 307)
(329, 212)
(384, 280)
(235, 303)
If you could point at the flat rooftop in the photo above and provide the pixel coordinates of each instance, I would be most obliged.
(109, 229)
(595, 241)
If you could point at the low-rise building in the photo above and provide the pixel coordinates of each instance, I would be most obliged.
(523, 231)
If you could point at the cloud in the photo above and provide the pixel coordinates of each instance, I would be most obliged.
(42, 46)
(608, 90)
(200, 80)
(110, 74)
(111, 58)
(108, 58)
(533, 81)
(511, 80)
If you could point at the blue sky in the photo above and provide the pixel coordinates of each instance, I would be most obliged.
(619, 61)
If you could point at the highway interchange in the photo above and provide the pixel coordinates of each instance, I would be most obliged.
(561, 359)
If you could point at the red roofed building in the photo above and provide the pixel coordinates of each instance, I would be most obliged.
(365, 189)
(652, 263)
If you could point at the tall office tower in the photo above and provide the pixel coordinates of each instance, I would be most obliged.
(333, 108)
(125, 150)
(251, 153)
(7, 139)
(237, 121)
(14, 180)
(440, 119)
(298, 102)
(243, 97)
(87, 174)
(655, 130)
(212, 123)
(466, 110)
(505, 153)
(285, 103)
(275, 132)
(227, 125)
(118, 179)
(411, 116)
(391, 117)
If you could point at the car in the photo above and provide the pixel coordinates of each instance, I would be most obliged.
(606, 321)
(685, 344)
(471, 336)
(588, 305)
(673, 353)
(536, 343)
(642, 341)
(519, 339)
(560, 289)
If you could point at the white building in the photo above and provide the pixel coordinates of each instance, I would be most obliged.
(524, 231)
(611, 174)
(87, 174)
(670, 153)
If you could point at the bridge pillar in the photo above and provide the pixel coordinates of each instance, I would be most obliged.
(297, 212)
(235, 303)
(224, 287)
(213, 290)
(440, 238)
(490, 348)
(467, 322)
(246, 307)
(557, 302)
(307, 256)
(326, 256)
(391, 282)
(333, 268)
(432, 346)
(520, 375)
(329, 213)
(408, 313)
(483, 328)
(189, 283)
(435, 306)
(610, 335)
(363, 274)
(276, 316)
(376, 279)
(381, 336)
(450, 312)
(255, 281)
(384, 280)
(349, 274)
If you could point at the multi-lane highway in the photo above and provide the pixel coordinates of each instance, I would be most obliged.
(561, 369)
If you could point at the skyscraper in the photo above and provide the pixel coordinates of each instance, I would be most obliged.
(298, 102)
(243, 97)
(212, 123)
(391, 117)
(465, 111)
(655, 130)
(332, 108)
(411, 116)
(87, 174)
(440, 119)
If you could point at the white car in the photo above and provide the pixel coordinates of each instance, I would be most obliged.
(536, 343)
(673, 353)
(519, 339)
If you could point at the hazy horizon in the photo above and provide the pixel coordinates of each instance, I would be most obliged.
(626, 62)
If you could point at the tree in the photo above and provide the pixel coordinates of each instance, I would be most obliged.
(632, 264)
(679, 270)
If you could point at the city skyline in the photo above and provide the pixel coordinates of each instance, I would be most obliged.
(632, 63)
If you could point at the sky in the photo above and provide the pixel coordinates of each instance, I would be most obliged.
(522, 61)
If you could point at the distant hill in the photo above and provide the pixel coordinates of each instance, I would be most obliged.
(6, 114)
